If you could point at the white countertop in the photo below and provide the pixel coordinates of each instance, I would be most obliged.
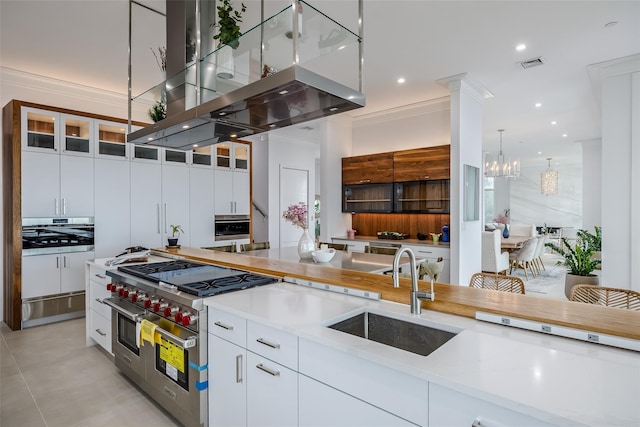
(559, 380)
(366, 263)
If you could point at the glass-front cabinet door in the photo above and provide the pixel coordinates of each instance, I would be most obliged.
(112, 138)
(39, 130)
(201, 156)
(232, 155)
(77, 135)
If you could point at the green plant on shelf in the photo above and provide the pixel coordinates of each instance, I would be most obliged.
(158, 110)
(227, 25)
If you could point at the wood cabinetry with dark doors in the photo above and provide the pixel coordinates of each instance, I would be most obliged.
(368, 169)
(367, 198)
(430, 196)
(422, 164)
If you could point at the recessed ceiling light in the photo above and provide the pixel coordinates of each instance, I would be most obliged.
(195, 145)
(150, 139)
(539, 152)
(521, 47)
(185, 126)
(272, 125)
(222, 113)
(554, 122)
(538, 104)
(283, 92)
(233, 135)
(564, 135)
(401, 80)
(333, 109)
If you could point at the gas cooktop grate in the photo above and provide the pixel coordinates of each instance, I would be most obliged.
(225, 284)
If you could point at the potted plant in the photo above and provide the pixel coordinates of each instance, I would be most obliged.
(227, 25)
(578, 260)
(228, 35)
(158, 110)
(594, 241)
(175, 233)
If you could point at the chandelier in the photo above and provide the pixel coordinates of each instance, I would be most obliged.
(502, 167)
(549, 180)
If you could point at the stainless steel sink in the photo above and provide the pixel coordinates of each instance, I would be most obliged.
(408, 336)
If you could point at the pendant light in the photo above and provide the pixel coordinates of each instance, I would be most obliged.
(502, 167)
(549, 180)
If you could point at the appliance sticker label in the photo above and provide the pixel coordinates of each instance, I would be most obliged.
(172, 354)
(172, 372)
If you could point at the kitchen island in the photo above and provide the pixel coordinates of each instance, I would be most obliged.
(486, 374)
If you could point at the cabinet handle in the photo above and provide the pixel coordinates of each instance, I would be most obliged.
(223, 326)
(100, 276)
(483, 422)
(166, 230)
(425, 252)
(101, 333)
(267, 370)
(238, 369)
(56, 206)
(231, 206)
(64, 206)
(267, 343)
(364, 181)
(158, 207)
(64, 261)
(57, 262)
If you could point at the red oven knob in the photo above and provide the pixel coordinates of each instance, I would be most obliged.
(125, 293)
(178, 317)
(108, 286)
(133, 296)
(147, 303)
(170, 311)
(159, 306)
(188, 319)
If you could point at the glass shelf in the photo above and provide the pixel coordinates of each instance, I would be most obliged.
(324, 46)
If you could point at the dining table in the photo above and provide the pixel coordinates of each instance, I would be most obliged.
(513, 242)
(358, 261)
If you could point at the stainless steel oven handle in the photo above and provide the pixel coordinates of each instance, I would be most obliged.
(119, 309)
(185, 344)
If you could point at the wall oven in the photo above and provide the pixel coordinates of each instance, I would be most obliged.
(54, 245)
(232, 227)
(159, 324)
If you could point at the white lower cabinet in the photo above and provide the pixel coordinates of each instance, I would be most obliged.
(272, 393)
(451, 408)
(321, 406)
(98, 323)
(352, 245)
(52, 274)
(227, 383)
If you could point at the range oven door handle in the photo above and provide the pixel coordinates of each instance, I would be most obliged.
(111, 303)
(184, 343)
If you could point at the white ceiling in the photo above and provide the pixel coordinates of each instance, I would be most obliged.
(86, 42)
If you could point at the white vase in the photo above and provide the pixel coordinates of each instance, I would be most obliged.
(225, 66)
(306, 245)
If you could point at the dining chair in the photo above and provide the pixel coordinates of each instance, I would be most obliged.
(226, 248)
(497, 282)
(245, 247)
(609, 297)
(537, 256)
(380, 250)
(523, 258)
(493, 259)
(337, 246)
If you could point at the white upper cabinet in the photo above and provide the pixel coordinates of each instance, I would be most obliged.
(233, 155)
(40, 130)
(111, 140)
(76, 135)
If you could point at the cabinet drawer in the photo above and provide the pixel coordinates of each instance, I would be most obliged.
(451, 408)
(227, 326)
(99, 275)
(97, 293)
(273, 344)
(429, 252)
(100, 330)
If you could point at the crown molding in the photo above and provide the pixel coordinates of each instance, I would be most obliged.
(403, 112)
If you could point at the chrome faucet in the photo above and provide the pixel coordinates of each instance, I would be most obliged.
(416, 295)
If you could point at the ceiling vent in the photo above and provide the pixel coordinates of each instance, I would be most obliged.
(530, 63)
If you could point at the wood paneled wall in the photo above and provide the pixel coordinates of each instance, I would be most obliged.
(368, 224)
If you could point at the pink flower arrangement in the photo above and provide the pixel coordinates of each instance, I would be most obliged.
(296, 215)
(502, 218)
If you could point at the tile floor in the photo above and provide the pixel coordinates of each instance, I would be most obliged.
(48, 377)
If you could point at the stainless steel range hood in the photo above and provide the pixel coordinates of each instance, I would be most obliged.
(288, 97)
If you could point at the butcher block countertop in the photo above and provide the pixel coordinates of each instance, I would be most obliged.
(458, 300)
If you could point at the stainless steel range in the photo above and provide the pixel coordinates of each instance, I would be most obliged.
(160, 329)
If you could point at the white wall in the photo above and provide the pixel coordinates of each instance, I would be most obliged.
(591, 183)
(530, 206)
(292, 153)
(260, 186)
(413, 126)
